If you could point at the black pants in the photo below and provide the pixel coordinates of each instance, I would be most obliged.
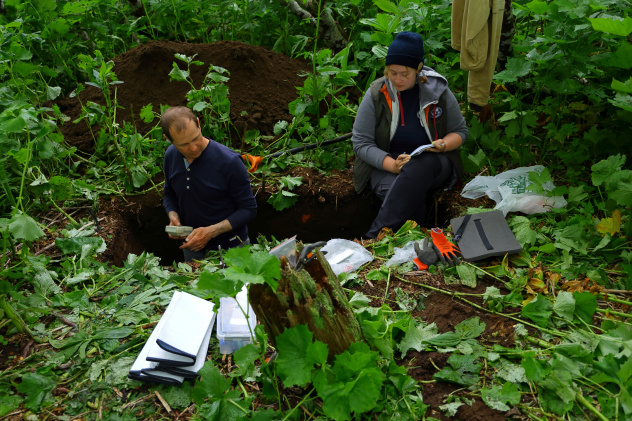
(406, 197)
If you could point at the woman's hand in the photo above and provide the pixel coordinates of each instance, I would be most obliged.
(395, 165)
(438, 146)
(450, 142)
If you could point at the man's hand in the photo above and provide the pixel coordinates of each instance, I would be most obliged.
(198, 239)
(174, 220)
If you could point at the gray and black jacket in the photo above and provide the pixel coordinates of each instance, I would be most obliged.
(374, 126)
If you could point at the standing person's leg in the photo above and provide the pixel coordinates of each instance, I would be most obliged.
(505, 45)
(456, 24)
(406, 197)
(479, 82)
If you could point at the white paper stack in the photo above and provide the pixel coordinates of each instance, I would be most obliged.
(177, 347)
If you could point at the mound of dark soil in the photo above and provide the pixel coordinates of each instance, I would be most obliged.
(262, 84)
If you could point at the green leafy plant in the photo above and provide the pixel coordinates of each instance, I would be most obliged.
(563, 101)
(211, 99)
(284, 197)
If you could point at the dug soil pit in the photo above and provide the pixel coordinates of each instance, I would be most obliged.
(261, 85)
(327, 207)
(138, 222)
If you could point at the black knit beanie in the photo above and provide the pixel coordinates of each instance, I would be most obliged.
(406, 50)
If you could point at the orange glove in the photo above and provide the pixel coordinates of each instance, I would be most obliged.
(445, 249)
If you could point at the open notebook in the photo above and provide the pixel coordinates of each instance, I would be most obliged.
(420, 149)
(177, 347)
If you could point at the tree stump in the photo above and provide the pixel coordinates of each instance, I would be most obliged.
(313, 297)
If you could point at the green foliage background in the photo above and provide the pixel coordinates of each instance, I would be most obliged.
(564, 101)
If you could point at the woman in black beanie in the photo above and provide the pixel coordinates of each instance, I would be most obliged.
(409, 107)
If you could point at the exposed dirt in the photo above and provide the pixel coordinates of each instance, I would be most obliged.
(445, 311)
(262, 84)
(16, 349)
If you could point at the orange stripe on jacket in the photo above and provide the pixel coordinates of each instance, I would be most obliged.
(389, 101)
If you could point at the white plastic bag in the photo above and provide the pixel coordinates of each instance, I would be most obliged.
(402, 254)
(509, 191)
(345, 256)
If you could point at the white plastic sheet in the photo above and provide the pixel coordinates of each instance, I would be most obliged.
(402, 254)
(345, 256)
(509, 191)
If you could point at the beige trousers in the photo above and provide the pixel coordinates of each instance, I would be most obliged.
(476, 27)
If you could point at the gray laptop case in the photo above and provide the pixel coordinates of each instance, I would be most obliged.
(484, 235)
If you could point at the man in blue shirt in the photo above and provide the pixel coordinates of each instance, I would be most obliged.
(206, 187)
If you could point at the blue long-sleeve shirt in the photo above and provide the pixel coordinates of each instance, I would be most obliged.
(214, 187)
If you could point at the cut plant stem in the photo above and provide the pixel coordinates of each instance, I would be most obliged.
(615, 300)
(371, 296)
(299, 404)
(486, 273)
(590, 383)
(238, 406)
(582, 400)
(539, 342)
(614, 313)
(17, 320)
(617, 291)
(67, 215)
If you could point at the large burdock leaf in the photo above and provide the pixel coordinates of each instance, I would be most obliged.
(538, 310)
(24, 227)
(298, 354)
(354, 386)
(564, 305)
(621, 27)
(36, 387)
(497, 398)
(14, 125)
